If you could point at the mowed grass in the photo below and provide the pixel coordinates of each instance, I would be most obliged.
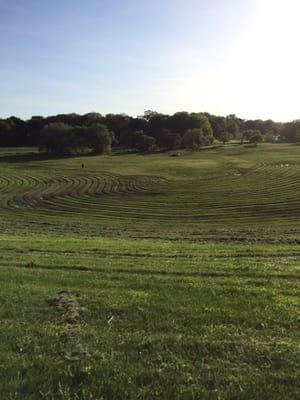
(232, 188)
(150, 277)
(157, 319)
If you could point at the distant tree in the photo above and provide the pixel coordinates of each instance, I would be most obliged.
(156, 124)
(172, 140)
(19, 133)
(200, 121)
(57, 138)
(224, 136)
(34, 127)
(218, 125)
(289, 131)
(119, 124)
(256, 137)
(99, 139)
(248, 133)
(264, 127)
(126, 135)
(122, 128)
(256, 124)
(92, 118)
(201, 134)
(4, 126)
(138, 124)
(136, 137)
(71, 119)
(270, 137)
(270, 127)
(5, 133)
(80, 141)
(232, 127)
(60, 138)
(148, 114)
(145, 143)
(194, 139)
(180, 122)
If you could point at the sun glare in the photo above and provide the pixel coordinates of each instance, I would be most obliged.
(267, 61)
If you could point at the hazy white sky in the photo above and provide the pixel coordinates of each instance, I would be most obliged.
(264, 69)
(220, 56)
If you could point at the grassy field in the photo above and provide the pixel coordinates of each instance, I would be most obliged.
(150, 277)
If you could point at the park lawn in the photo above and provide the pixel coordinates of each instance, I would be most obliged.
(156, 319)
(150, 276)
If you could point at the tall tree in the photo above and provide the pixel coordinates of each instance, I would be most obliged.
(57, 138)
(99, 139)
(145, 143)
(194, 139)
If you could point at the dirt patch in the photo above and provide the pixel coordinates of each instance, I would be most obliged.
(77, 353)
(70, 325)
(67, 305)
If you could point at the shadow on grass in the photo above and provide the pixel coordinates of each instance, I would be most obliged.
(169, 152)
(30, 157)
(157, 272)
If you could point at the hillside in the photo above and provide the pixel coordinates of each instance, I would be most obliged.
(150, 276)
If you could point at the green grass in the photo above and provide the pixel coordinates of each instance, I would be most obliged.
(182, 275)
(234, 188)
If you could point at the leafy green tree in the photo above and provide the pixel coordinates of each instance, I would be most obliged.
(57, 138)
(69, 119)
(180, 122)
(201, 134)
(264, 127)
(200, 121)
(5, 133)
(194, 139)
(92, 118)
(224, 136)
(270, 138)
(136, 137)
(172, 140)
(4, 126)
(80, 141)
(248, 133)
(120, 125)
(218, 125)
(148, 114)
(289, 131)
(256, 137)
(99, 139)
(232, 127)
(297, 137)
(156, 124)
(146, 143)
(168, 139)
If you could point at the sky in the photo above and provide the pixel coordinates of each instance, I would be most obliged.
(126, 56)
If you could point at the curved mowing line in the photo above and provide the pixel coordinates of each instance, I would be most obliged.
(267, 191)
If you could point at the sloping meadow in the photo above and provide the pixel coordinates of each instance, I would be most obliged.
(104, 318)
(143, 277)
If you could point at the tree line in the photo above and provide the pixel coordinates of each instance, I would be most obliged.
(96, 133)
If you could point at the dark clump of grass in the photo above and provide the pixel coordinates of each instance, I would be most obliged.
(31, 264)
(67, 305)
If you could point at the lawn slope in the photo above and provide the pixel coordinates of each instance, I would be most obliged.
(150, 276)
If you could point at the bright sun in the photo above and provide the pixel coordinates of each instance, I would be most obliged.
(267, 61)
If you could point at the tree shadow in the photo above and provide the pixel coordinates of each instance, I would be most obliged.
(31, 157)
